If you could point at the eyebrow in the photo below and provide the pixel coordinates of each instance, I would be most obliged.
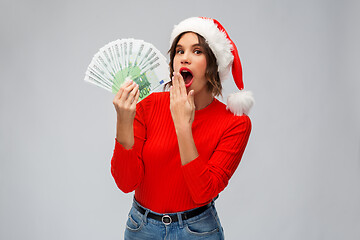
(195, 45)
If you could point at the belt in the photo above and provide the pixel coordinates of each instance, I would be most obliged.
(167, 219)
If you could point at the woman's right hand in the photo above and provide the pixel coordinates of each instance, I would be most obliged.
(125, 101)
(125, 104)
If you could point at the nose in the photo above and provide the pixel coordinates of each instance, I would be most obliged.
(185, 58)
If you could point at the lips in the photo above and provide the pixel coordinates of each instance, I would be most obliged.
(187, 76)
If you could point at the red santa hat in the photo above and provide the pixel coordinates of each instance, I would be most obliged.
(226, 55)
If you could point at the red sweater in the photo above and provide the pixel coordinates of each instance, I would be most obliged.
(153, 166)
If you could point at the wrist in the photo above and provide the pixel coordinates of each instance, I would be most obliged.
(126, 143)
(125, 134)
(183, 128)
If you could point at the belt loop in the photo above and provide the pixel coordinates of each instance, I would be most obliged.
(181, 223)
(145, 216)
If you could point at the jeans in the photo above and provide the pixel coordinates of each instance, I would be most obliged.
(203, 226)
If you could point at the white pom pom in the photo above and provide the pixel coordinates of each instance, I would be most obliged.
(240, 103)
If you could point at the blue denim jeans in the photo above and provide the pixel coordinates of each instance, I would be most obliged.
(203, 226)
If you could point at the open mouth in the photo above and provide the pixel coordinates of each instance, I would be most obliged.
(187, 76)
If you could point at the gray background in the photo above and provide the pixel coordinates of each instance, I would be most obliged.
(300, 174)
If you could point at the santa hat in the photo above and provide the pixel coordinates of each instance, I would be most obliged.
(226, 55)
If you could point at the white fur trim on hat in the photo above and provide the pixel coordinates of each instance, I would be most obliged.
(216, 39)
(240, 103)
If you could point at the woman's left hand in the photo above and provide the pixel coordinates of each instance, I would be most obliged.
(182, 104)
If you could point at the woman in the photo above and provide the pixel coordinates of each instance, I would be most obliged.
(178, 149)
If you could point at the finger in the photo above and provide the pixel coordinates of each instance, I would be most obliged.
(132, 95)
(178, 78)
(133, 104)
(118, 94)
(131, 98)
(178, 89)
(121, 90)
(191, 98)
(175, 86)
(171, 93)
(127, 90)
(182, 85)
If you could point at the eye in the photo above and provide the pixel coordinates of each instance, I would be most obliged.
(179, 51)
(197, 51)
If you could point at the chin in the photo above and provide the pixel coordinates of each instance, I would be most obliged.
(188, 89)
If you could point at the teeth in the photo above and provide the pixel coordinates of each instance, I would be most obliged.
(184, 71)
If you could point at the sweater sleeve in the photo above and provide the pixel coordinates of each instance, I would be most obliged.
(206, 178)
(127, 167)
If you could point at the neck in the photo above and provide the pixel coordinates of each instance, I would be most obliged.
(203, 100)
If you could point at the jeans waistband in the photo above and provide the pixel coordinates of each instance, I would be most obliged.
(169, 218)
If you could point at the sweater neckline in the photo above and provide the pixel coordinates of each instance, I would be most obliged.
(206, 110)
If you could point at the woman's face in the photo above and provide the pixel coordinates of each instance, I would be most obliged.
(190, 62)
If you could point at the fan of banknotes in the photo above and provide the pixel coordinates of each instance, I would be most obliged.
(125, 59)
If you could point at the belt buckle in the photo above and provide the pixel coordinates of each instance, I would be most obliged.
(166, 219)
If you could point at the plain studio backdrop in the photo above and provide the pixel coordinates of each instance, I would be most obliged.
(300, 174)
